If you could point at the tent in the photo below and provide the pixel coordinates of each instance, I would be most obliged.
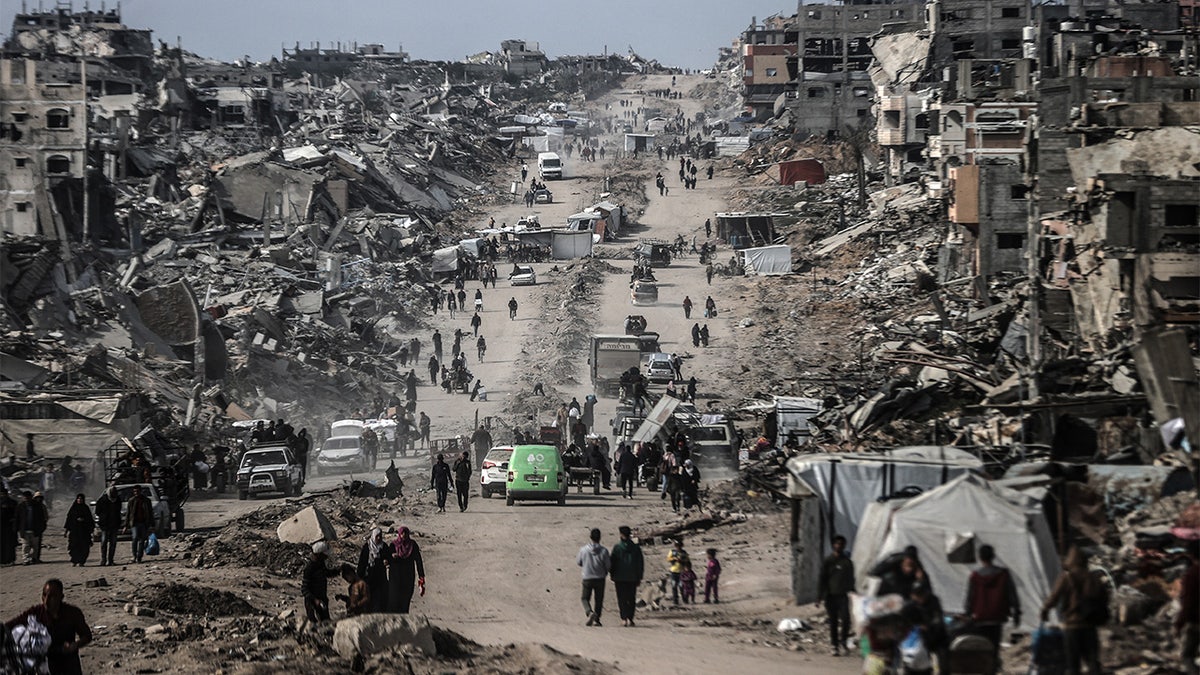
(445, 259)
(793, 171)
(769, 260)
(639, 142)
(613, 212)
(792, 414)
(839, 487)
(565, 245)
(948, 525)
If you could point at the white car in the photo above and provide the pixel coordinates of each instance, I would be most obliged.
(523, 275)
(659, 368)
(270, 468)
(341, 453)
(494, 474)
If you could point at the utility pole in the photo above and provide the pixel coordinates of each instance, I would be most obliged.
(87, 220)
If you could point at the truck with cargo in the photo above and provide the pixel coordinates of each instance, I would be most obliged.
(611, 356)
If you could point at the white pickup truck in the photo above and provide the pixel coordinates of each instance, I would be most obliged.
(269, 468)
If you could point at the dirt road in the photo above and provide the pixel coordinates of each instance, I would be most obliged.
(502, 574)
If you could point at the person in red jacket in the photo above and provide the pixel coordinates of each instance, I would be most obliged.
(991, 599)
(1187, 622)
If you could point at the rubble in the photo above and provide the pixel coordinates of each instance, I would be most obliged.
(361, 637)
(308, 526)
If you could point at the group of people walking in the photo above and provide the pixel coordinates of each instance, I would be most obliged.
(385, 579)
(27, 521)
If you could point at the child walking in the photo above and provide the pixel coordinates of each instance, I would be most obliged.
(711, 575)
(687, 581)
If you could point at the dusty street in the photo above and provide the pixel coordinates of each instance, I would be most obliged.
(507, 575)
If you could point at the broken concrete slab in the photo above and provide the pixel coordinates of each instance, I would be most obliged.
(370, 634)
(306, 527)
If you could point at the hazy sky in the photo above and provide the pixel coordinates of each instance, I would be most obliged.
(683, 33)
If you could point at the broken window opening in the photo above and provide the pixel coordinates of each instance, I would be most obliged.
(58, 164)
(1181, 215)
(22, 207)
(1010, 12)
(20, 162)
(772, 72)
(1010, 44)
(1010, 240)
(58, 118)
(816, 92)
(1018, 191)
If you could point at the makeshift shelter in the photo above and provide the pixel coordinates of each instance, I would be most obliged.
(615, 215)
(743, 230)
(445, 260)
(566, 245)
(839, 487)
(768, 260)
(639, 142)
(794, 171)
(948, 525)
(790, 418)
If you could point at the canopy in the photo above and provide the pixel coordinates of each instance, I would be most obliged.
(565, 245)
(445, 259)
(769, 260)
(949, 524)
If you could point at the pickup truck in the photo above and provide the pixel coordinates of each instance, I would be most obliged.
(269, 468)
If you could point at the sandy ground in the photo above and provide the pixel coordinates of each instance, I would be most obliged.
(500, 574)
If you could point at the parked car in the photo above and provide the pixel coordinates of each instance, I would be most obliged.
(529, 222)
(543, 196)
(269, 468)
(536, 472)
(158, 504)
(643, 292)
(494, 473)
(523, 275)
(341, 453)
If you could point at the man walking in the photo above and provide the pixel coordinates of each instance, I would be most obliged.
(462, 479)
(834, 585)
(108, 517)
(423, 425)
(627, 569)
(433, 370)
(596, 562)
(440, 482)
(139, 521)
(991, 600)
(31, 523)
(708, 272)
(475, 323)
(1082, 601)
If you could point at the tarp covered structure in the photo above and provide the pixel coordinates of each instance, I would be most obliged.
(565, 245)
(445, 260)
(792, 171)
(660, 416)
(769, 260)
(948, 525)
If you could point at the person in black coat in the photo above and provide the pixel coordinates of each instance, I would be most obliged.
(8, 528)
(373, 564)
(314, 583)
(108, 518)
(405, 568)
(627, 467)
(79, 526)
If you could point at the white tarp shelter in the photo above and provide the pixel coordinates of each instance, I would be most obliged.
(445, 259)
(639, 142)
(948, 525)
(840, 487)
(566, 245)
(792, 414)
(768, 260)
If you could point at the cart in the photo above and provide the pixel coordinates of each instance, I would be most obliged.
(581, 476)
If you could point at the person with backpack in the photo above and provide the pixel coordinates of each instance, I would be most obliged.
(1082, 602)
(991, 599)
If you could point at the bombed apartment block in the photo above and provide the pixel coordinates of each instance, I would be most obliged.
(63, 32)
(522, 58)
(978, 29)
(834, 91)
(768, 64)
(238, 95)
(43, 131)
(338, 59)
(991, 202)
(1068, 44)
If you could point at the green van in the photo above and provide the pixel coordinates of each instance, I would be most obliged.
(536, 472)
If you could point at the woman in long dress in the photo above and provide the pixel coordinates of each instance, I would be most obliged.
(373, 569)
(79, 526)
(405, 569)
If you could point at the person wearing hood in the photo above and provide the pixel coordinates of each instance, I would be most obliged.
(627, 569)
(440, 481)
(596, 563)
(314, 583)
(372, 568)
(79, 527)
(405, 568)
(689, 483)
(1082, 602)
(108, 517)
(991, 599)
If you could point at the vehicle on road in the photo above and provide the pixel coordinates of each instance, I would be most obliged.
(158, 504)
(635, 324)
(643, 292)
(654, 253)
(610, 357)
(529, 222)
(713, 441)
(269, 468)
(536, 473)
(659, 369)
(494, 473)
(543, 196)
(522, 275)
(549, 165)
(341, 453)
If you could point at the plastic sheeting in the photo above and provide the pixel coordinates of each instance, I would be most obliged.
(967, 513)
(768, 260)
(568, 245)
(445, 259)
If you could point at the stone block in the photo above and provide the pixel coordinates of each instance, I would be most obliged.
(370, 634)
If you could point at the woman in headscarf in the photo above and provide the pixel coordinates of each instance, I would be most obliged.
(79, 527)
(372, 568)
(689, 483)
(405, 568)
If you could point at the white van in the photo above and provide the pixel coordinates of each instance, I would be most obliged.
(550, 165)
